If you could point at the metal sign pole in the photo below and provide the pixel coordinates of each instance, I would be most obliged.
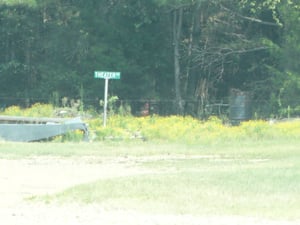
(106, 75)
(105, 102)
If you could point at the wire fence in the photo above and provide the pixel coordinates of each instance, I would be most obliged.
(261, 108)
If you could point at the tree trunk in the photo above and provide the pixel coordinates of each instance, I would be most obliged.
(201, 94)
(189, 57)
(177, 26)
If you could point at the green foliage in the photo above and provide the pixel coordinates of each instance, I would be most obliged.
(18, 2)
(36, 110)
(74, 136)
(50, 49)
(177, 129)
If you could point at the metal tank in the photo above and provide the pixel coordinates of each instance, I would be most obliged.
(240, 106)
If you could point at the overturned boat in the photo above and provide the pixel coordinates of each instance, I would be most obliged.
(29, 129)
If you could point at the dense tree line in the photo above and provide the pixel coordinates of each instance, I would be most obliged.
(187, 53)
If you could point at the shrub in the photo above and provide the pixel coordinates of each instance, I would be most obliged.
(171, 128)
(191, 130)
(36, 110)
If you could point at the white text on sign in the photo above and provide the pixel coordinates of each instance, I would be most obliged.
(107, 75)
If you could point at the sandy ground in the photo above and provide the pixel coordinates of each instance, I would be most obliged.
(23, 178)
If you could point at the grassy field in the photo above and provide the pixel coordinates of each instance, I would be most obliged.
(260, 179)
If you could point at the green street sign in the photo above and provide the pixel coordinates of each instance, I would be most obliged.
(107, 75)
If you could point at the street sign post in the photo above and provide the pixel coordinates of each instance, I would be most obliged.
(107, 76)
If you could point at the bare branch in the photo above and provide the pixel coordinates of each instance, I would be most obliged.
(252, 19)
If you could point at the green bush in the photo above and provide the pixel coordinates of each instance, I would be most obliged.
(191, 130)
(170, 129)
(36, 110)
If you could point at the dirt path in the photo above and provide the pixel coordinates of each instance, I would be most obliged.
(20, 179)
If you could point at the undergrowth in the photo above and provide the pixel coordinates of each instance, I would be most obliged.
(171, 128)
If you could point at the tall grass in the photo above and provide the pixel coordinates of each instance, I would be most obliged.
(176, 129)
(42, 110)
(192, 131)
